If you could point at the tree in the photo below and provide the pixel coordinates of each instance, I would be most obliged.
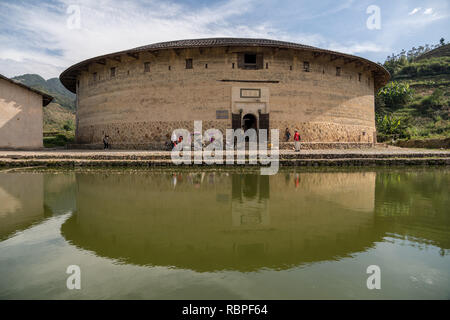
(390, 126)
(395, 94)
(68, 125)
(442, 41)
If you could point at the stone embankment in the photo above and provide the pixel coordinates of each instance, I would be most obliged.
(100, 158)
(426, 143)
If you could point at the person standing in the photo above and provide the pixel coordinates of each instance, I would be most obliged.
(174, 139)
(297, 140)
(106, 142)
(287, 134)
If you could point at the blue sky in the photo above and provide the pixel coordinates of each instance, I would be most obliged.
(45, 37)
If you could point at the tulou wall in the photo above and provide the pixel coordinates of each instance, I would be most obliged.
(139, 107)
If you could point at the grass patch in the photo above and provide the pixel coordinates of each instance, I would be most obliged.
(59, 140)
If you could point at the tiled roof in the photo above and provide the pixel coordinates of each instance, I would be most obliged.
(222, 42)
(69, 76)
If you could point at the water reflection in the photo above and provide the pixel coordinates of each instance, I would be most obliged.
(415, 205)
(209, 221)
(28, 198)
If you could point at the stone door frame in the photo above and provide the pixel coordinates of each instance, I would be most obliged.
(249, 100)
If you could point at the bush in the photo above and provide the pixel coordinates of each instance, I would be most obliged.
(392, 127)
(432, 102)
(68, 125)
(410, 70)
(432, 66)
(58, 140)
(395, 95)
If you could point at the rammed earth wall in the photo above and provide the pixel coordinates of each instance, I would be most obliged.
(139, 108)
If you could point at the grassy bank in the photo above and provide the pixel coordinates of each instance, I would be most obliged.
(415, 104)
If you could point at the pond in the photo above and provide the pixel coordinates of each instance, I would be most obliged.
(225, 234)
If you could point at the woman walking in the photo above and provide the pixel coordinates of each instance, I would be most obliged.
(297, 140)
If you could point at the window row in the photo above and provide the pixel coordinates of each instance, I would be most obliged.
(249, 61)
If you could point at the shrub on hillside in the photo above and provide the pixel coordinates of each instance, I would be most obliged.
(409, 70)
(58, 140)
(392, 127)
(68, 125)
(394, 95)
(432, 66)
(435, 101)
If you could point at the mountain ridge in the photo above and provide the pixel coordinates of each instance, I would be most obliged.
(59, 115)
(52, 86)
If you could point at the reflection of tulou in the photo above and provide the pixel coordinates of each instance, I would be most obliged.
(222, 220)
(256, 221)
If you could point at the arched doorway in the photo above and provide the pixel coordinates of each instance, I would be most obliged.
(249, 122)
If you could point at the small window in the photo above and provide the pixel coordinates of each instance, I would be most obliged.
(146, 66)
(267, 65)
(250, 61)
(232, 65)
(94, 76)
(290, 68)
(250, 58)
(169, 68)
(338, 71)
(113, 72)
(206, 66)
(188, 63)
(306, 66)
(359, 77)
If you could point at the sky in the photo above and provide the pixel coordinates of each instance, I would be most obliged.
(48, 36)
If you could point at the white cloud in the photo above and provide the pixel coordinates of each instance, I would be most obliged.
(112, 25)
(396, 27)
(30, 35)
(11, 68)
(108, 26)
(414, 11)
(357, 48)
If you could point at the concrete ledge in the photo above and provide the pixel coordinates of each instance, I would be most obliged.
(351, 157)
(167, 162)
(166, 155)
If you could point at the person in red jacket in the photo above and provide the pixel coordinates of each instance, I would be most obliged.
(297, 140)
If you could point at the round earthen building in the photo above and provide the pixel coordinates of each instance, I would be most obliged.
(139, 96)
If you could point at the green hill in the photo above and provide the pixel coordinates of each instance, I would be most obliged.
(442, 51)
(415, 104)
(53, 87)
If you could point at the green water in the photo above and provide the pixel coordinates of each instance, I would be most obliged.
(143, 234)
